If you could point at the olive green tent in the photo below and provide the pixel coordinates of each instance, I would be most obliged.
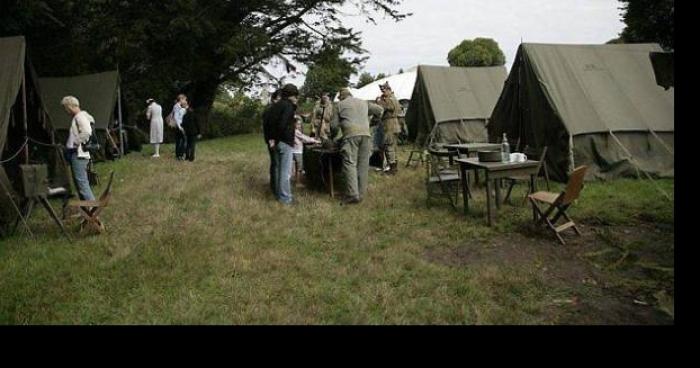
(26, 133)
(452, 104)
(98, 94)
(597, 105)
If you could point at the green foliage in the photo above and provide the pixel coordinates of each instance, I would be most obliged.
(234, 114)
(648, 21)
(329, 73)
(365, 79)
(190, 46)
(477, 52)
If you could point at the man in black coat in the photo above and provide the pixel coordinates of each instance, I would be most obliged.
(267, 132)
(190, 123)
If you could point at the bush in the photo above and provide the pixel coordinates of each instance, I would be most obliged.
(238, 115)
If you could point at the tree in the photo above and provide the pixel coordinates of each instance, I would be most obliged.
(380, 76)
(477, 52)
(191, 46)
(365, 79)
(648, 21)
(329, 72)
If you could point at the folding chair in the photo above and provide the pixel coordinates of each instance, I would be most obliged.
(512, 180)
(559, 203)
(440, 175)
(90, 210)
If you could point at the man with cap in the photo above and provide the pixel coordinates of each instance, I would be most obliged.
(351, 116)
(321, 118)
(392, 128)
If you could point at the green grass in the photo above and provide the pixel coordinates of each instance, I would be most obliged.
(205, 243)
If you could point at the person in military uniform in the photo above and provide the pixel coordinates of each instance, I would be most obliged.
(321, 118)
(351, 116)
(392, 128)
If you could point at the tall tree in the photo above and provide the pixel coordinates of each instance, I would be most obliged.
(365, 79)
(193, 46)
(329, 72)
(648, 21)
(477, 52)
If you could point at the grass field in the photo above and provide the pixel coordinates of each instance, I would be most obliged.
(205, 243)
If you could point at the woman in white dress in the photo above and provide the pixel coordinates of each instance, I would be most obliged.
(154, 114)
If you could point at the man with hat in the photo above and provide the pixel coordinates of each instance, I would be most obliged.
(390, 122)
(351, 116)
(321, 118)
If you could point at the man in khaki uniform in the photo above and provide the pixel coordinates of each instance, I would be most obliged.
(321, 118)
(392, 128)
(351, 116)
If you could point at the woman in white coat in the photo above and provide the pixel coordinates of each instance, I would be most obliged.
(154, 114)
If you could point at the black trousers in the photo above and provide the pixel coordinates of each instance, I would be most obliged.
(180, 144)
(191, 145)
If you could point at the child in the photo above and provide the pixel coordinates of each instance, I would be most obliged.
(299, 139)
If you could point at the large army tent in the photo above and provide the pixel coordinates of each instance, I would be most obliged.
(453, 104)
(401, 84)
(26, 133)
(597, 105)
(98, 94)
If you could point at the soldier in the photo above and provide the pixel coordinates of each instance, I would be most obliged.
(391, 125)
(321, 118)
(351, 116)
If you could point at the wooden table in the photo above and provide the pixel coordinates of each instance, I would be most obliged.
(494, 171)
(327, 171)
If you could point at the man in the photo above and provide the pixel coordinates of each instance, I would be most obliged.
(179, 112)
(190, 125)
(321, 118)
(352, 117)
(78, 135)
(267, 133)
(391, 125)
(281, 138)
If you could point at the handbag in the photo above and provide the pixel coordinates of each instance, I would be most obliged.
(92, 145)
(170, 119)
(93, 176)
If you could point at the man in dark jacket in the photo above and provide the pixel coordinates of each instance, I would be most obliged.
(267, 133)
(190, 124)
(281, 139)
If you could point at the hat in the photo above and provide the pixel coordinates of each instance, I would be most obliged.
(385, 86)
(148, 102)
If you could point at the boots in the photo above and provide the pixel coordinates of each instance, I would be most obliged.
(393, 169)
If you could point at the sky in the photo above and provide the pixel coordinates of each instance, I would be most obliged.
(439, 25)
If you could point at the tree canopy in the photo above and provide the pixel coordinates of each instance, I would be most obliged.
(329, 72)
(648, 21)
(477, 52)
(190, 46)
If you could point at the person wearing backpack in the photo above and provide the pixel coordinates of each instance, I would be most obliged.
(77, 153)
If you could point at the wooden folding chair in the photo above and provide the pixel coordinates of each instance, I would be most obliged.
(526, 178)
(90, 210)
(560, 203)
(440, 175)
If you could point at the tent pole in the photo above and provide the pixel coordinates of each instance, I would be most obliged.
(24, 114)
(121, 123)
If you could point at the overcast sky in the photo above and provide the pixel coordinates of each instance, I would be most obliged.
(438, 25)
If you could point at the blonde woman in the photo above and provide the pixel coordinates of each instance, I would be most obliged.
(78, 157)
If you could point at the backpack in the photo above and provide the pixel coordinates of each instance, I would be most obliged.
(170, 119)
(92, 145)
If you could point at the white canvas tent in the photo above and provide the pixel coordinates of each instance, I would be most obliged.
(401, 84)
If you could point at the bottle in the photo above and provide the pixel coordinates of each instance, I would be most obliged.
(505, 149)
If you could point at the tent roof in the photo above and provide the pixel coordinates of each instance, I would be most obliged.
(457, 93)
(97, 94)
(600, 88)
(402, 85)
(12, 59)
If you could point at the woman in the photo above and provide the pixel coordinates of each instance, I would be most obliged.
(78, 135)
(154, 113)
